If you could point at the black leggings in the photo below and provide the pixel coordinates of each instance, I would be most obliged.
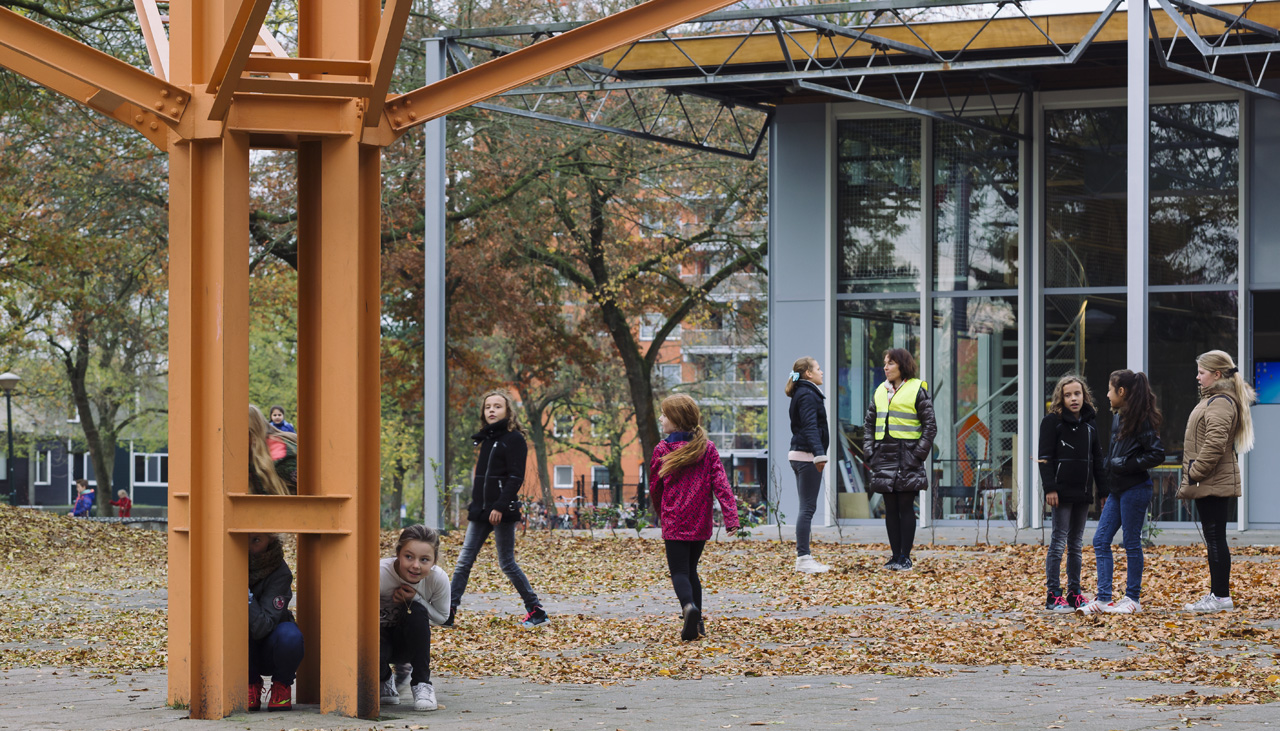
(409, 640)
(1214, 516)
(682, 560)
(900, 522)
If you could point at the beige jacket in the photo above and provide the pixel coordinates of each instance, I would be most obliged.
(1209, 464)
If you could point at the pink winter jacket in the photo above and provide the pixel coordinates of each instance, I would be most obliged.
(683, 501)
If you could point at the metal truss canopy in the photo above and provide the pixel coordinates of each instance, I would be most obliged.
(897, 54)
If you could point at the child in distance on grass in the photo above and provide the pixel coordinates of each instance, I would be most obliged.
(687, 473)
(1126, 493)
(124, 504)
(413, 593)
(1070, 454)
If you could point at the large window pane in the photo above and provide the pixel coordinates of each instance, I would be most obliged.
(975, 191)
(975, 398)
(1194, 229)
(878, 223)
(1085, 197)
(1183, 325)
(865, 329)
(1085, 335)
(1195, 205)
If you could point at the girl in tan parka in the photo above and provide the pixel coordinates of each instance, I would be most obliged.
(1219, 429)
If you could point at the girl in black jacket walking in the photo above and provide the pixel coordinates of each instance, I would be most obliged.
(808, 455)
(1070, 453)
(1126, 491)
(495, 507)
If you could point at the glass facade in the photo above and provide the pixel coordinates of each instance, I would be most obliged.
(962, 274)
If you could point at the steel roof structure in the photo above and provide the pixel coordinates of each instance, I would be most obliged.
(713, 84)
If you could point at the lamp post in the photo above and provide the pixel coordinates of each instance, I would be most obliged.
(7, 382)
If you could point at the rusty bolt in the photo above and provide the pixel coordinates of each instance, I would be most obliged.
(408, 102)
(173, 110)
(399, 120)
(137, 119)
(164, 93)
(159, 105)
(155, 126)
(179, 99)
(412, 115)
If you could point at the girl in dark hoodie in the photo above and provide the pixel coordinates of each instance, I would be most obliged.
(1070, 454)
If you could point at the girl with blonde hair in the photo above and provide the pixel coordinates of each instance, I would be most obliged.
(687, 476)
(1219, 429)
(1070, 455)
(273, 457)
(808, 455)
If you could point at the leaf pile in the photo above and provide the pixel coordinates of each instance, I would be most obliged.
(962, 607)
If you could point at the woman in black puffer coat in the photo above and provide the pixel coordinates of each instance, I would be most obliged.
(897, 441)
(495, 505)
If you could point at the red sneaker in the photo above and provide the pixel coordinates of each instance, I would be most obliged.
(281, 697)
(255, 696)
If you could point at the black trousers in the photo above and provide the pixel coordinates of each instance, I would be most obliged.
(1214, 515)
(900, 522)
(682, 561)
(409, 640)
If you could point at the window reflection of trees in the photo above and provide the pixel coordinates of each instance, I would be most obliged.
(878, 185)
(1195, 162)
(976, 207)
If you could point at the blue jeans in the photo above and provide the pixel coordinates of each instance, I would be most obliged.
(504, 537)
(1127, 510)
(278, 654)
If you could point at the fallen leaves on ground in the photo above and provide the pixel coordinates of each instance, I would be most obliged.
(86, 595)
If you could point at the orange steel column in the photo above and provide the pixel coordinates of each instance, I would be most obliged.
(339, 306)
(209, 357)
(308, 574)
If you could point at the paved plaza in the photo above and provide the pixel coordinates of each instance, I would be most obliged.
(944, 696)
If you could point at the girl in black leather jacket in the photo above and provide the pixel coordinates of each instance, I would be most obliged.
(1126, 492)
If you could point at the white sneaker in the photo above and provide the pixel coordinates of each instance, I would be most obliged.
(1092, 607)
(390, 696)
(1210, 603)
(1124, 606)
(810, 565)
(424, 697)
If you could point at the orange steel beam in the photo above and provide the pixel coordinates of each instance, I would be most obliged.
(154, 33)
(390, 33)
(123, 112)
(53, 52)
(277, 64)
(235, 52)
(533, 62)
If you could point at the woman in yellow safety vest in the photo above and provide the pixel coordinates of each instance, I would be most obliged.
(898, 438)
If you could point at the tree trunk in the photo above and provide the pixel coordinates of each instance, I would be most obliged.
(538, 435)
(397, 494)
(76, 363)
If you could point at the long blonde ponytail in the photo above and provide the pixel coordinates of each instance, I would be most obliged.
(1242, 394)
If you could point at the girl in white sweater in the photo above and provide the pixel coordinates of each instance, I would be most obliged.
(413, 594)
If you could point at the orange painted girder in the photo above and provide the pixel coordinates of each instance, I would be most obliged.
(546, 57)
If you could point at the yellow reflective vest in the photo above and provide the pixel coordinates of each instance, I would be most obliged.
(898, 415)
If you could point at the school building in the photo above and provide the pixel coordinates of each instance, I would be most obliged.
(964, 188)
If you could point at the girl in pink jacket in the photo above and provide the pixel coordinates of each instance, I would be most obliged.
(686, 470)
